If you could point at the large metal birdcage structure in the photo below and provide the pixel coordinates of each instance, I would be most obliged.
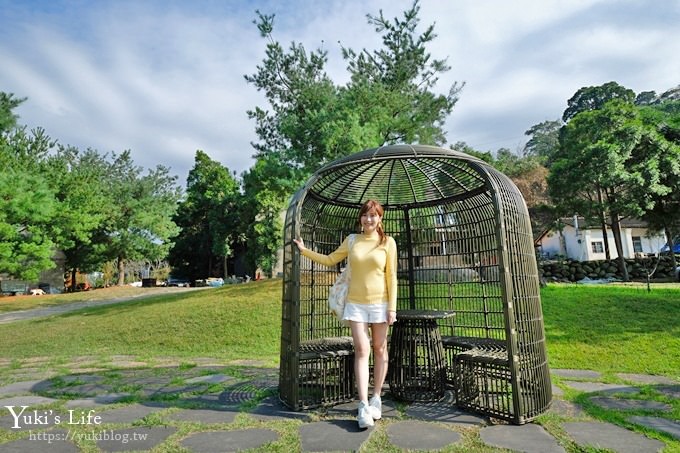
(464, 244)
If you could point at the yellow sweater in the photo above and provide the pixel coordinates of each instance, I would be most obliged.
(373, 276)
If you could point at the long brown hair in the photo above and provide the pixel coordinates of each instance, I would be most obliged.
(377, 207)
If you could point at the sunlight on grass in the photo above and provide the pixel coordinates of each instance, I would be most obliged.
(18, 303)
(613, 328)
(233, 322)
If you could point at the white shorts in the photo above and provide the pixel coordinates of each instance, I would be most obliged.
(368, 313)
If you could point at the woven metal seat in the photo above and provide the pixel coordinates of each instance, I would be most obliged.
(417, 367)
(454, 345)
(464, 244)
(326, 374)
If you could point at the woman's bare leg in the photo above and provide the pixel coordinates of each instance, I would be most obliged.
(362, 350)
(380, 355)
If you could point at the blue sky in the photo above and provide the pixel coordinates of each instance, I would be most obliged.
(165, 78)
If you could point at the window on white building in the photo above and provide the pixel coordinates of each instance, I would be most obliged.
(597, 246)
(637, 244)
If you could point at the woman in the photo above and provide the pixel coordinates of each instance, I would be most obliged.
(371, 301)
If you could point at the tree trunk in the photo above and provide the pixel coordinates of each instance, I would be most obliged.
(671, 237)
(605, 238)
(616, 231)
(121, 271)
(607, 254)
(74, 283)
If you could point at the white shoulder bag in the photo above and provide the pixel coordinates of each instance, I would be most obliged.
(337, 295)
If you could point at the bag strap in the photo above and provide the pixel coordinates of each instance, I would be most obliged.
(350, 243)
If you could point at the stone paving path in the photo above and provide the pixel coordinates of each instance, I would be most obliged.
(215, 407)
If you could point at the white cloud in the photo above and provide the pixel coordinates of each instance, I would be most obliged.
(166, 78)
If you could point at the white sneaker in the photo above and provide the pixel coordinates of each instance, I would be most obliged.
(364, 416)
(375, 407)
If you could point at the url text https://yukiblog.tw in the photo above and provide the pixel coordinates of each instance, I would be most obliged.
(70, 435)
(23, 417)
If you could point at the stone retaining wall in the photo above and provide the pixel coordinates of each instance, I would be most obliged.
(571, 271)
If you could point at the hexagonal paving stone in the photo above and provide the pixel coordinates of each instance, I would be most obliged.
(127, 414)
(659, 424)
(415, 435)
(204, 416)
(672, 391)
(133, 439)
(444, 411)
(28, 400)
(242, 439)
(530, 438)
(209, 379)
(333, 435)
(646, 378)
(565, 408)
(271, 408)
(600, 387)
(578, 374)
(97, 401)
(55, 441)
(620, 404)
(18, 387)
(607, 435)
(450, 414)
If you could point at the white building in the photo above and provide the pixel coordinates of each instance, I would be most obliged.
(582, 240)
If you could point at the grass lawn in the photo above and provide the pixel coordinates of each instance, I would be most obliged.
(232, 322)
(606, 328)
(613, 328)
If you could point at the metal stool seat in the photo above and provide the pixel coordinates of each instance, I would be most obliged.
(326, 372)
(417, 368)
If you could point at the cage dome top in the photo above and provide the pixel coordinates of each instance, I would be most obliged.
(399, 176)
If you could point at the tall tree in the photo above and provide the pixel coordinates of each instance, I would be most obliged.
(8, 118)
(392, 88)
(311, 120)
(78, 179)
(27, 202)
(607, 162)
(208, 219)
(593, 98)
(262, 210)
(139, 223)
(664, 118)
(544, 141)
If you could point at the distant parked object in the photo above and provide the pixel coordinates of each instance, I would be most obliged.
(676, 247)
(213, 282)
(180, 282)
(37, 292)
